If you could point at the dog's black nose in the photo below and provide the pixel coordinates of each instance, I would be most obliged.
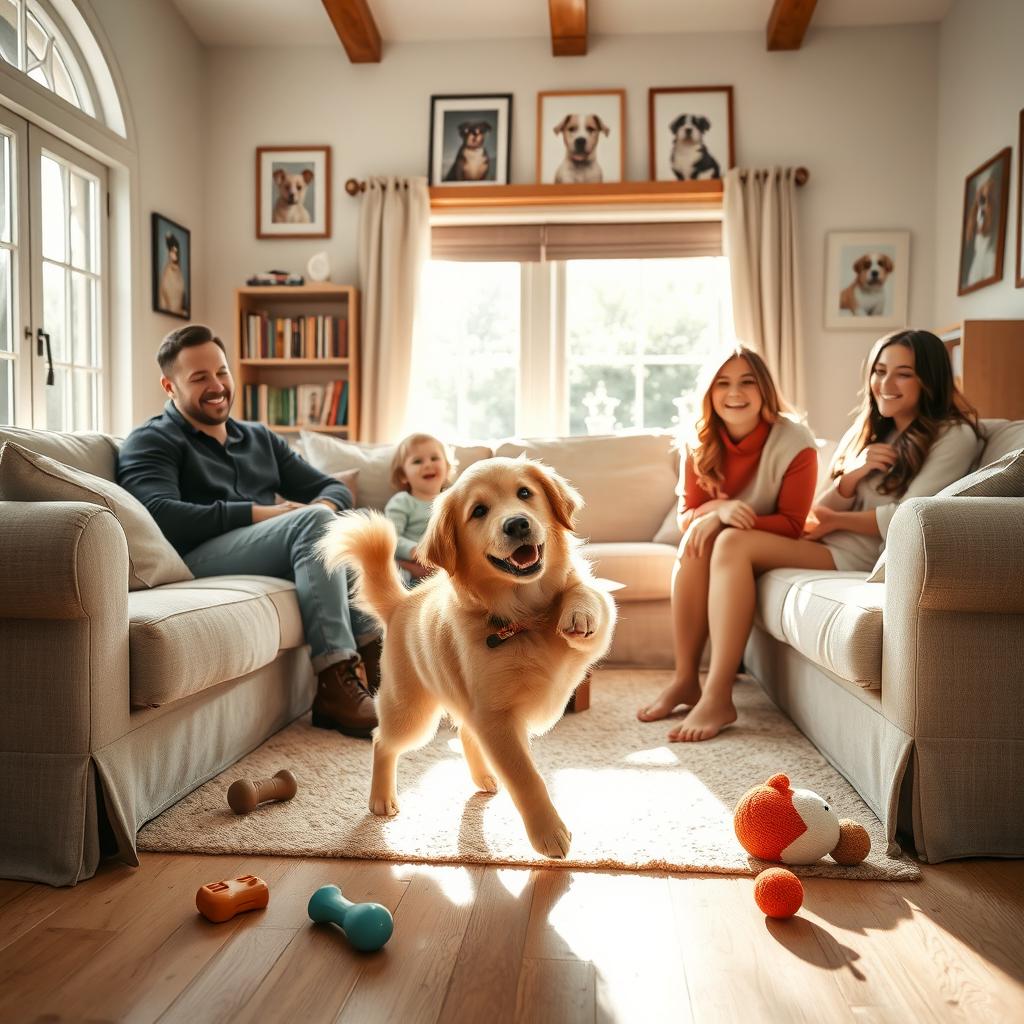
(580, 144)
(517, 527)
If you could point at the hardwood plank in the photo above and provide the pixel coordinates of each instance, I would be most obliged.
(568, 27)
(739, 966)
(485, 980)
(621, 923)
(407, 980)
(228, 982)
(37, 964)
(788, 23)
(10, 888)
(556, 990)
(358, 32)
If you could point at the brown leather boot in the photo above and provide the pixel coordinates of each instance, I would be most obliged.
(342, 703)
(370, 655)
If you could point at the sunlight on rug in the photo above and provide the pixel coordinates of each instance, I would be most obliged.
(631, 799)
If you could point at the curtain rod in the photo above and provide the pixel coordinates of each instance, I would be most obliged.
(801, 175)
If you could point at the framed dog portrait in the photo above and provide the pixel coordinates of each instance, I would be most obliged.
(470, 139)
(986, 193)
(293, 192)
(690, 132)
(866, 279)
(172, 268)
(581, 137)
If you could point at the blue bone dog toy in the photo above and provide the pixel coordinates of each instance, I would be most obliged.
(367, 925)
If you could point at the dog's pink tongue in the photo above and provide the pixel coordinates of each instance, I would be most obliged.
(524, 555)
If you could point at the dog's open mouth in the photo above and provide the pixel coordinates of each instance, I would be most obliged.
(526, 560)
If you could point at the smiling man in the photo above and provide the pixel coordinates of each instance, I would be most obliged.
(211, 482)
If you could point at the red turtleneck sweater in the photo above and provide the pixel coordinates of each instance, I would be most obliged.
(741, 458)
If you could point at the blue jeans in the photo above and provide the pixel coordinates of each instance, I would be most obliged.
(285, 546)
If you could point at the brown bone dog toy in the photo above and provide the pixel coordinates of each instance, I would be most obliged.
(245, 794)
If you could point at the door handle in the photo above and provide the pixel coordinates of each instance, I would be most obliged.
(42, 338)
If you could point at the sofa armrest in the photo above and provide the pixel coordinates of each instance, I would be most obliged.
(953, 634)
(63, 627)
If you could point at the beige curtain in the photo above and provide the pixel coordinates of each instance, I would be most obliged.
(394, 244)
(760, 238)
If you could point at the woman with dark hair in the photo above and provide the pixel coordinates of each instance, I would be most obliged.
(915, 433)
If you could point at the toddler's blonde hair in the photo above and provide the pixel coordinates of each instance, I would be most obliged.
(398, 479)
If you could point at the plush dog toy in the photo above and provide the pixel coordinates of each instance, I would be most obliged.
(795, 826)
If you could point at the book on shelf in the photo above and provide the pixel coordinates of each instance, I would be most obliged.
(303, 405)
(295, 337)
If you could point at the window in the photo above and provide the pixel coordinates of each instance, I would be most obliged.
(565, 346)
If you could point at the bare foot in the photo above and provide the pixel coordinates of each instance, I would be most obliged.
(676, 693)
(704, 721)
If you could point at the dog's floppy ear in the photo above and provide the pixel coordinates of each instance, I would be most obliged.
(439, 546)
(972, 221)
(560, 127)
(565, 500)
(278, 176)
(702, 123)
(677, 123)
(886, 262)
(307, 175)
(861, 263)
(601, 126)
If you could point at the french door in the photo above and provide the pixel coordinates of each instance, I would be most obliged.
(53, 308)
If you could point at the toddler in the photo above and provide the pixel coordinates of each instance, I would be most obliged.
(421, 468)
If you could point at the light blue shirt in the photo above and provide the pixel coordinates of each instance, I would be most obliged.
(410, 516)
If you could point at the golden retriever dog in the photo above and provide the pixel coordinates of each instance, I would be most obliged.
(498, 638)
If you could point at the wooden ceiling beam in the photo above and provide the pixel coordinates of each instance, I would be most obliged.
(568, 27)
(358, 32)
(788, 22)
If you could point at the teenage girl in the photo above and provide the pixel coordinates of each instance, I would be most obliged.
(914, 434)
(748, 470)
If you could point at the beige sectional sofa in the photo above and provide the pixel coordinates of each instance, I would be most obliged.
(115, 704)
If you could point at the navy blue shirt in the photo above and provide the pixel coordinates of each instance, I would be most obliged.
(197, 488)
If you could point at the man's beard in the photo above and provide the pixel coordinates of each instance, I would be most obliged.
(201, 414)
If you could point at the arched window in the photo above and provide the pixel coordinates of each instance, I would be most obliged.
(51, 43)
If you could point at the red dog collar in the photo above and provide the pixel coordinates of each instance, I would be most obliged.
(505, 632)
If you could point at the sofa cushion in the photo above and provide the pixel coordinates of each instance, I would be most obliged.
(91, 453)
(1003, 478)
(627, 481)
(189, 636)
(644, 569)
(330, 455)
(26, 476)
(832, 618)
(1001, 438)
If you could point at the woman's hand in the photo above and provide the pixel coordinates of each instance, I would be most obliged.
(821, 522)
(737, 514)
(701, 535)
(875, 458)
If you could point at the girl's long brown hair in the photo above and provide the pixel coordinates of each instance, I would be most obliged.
(707, 449)
(941, 404)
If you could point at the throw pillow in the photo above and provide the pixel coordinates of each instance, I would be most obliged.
(350, 478)
(1003, 478)
(668, 532)
(26, 476)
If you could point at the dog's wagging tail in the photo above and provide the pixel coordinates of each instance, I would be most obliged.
(366, 541)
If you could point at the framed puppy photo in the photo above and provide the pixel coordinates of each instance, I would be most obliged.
(866, 279)
(581, 137)
(983, 235)
(470, 139)
(172, 267)
(690, 132)
(293, 192)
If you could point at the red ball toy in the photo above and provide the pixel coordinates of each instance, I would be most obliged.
(778, 892)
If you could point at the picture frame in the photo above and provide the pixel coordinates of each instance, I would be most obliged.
(293, 192)
(172, 267)
(470, 140)
(983, 225)
(1020, 199)
(690, 132)
(581, 136)
(867, 278)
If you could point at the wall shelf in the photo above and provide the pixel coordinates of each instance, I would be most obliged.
(699, 193)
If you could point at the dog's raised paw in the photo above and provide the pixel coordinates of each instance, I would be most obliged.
(487, 784)
(577, 624)
(553, 842)
(384, 807)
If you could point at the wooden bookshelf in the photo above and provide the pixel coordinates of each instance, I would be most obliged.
(282, 371)
(988, 364)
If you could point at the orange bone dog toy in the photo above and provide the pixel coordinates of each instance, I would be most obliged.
(220, 901)
(245, 794)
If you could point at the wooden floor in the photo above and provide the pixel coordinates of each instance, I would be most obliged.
(492, 945)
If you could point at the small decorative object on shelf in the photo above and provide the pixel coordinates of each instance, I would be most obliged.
(318, 268)
(296, 351)
(282, 277)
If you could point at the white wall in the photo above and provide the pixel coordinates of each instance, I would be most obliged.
(857, 107)
(981, 93)
(163, 69)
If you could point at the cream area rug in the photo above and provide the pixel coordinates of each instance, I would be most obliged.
(631, 799)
